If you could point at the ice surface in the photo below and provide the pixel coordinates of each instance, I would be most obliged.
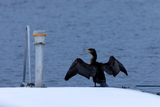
(76, 97)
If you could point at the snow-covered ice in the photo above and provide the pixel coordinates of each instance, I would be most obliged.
(76, 97)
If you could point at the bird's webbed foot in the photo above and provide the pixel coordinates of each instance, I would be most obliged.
(104, 84)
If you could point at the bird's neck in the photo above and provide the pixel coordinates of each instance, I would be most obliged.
(93, 59)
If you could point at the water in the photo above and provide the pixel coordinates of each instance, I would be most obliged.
(127, 29)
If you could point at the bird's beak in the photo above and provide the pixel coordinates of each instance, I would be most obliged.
(89, 51)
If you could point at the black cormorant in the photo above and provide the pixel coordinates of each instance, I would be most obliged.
(95, 69)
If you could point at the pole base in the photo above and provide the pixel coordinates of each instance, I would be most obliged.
(27, 84)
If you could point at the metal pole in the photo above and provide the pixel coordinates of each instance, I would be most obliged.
(29, 56)
(25, 56)
(39, 42)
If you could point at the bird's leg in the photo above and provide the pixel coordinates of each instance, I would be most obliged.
(95, 84)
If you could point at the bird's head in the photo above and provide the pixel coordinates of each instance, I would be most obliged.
(92, 51)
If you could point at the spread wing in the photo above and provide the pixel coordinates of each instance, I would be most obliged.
(113, 67)
(82, 68)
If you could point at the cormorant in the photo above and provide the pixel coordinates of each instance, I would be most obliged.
(95, 69)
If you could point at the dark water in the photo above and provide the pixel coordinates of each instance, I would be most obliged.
(127, 29)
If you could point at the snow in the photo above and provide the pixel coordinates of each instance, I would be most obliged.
(76, 97)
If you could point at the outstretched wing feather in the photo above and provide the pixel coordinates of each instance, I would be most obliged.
(122, 68)
(113, 67)
(82, 68)
(107, 68)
